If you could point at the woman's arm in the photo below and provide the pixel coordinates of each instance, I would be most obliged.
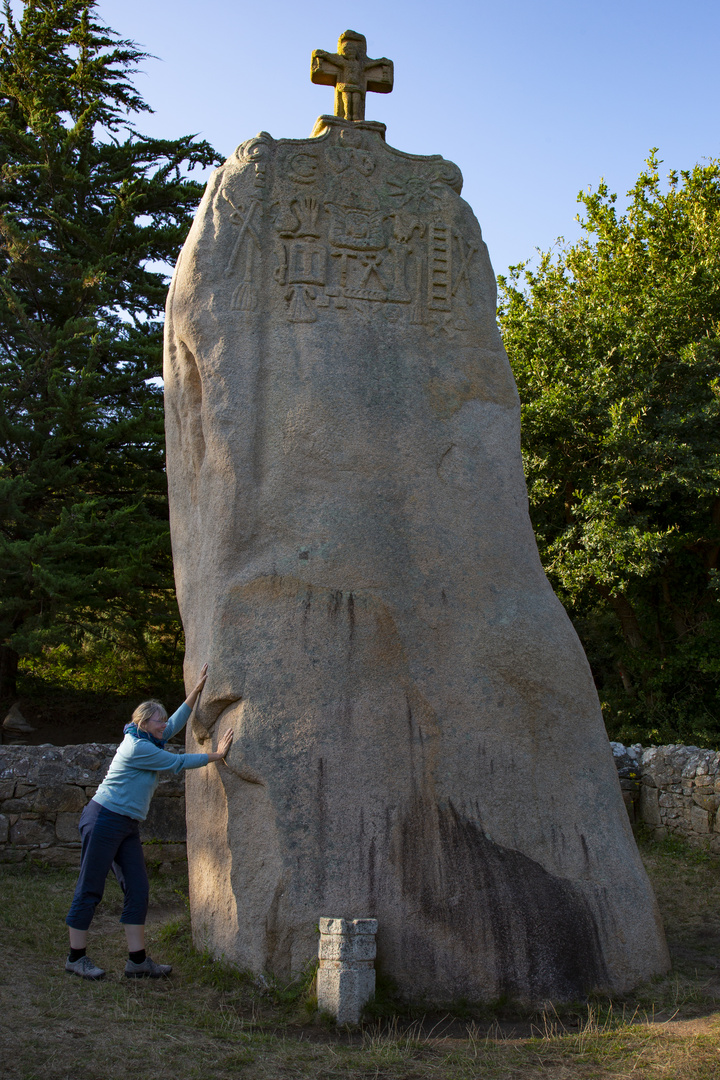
(179, 719)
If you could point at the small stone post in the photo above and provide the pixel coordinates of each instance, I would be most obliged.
(346, 976)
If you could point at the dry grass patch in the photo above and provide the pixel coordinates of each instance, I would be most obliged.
(209, 1020)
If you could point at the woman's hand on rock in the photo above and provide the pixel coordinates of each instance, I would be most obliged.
(195, 693)
(223, 747)
(225, 742)
(201, 679)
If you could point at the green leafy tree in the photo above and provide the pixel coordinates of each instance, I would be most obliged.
(614, 344)
(91, 213)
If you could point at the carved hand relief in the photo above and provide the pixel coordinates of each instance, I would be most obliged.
(343, 228)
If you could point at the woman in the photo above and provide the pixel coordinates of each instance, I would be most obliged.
(109, 828)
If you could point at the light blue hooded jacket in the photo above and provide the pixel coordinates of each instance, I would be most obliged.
(135, 770)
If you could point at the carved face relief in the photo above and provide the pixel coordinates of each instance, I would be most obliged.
(303, 168)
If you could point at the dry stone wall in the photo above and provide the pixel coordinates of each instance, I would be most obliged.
(43, 790)
(674, 790)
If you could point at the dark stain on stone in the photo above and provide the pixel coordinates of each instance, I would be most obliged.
(334, 602)
(586, 853)
(307, 604)
(536, 929)
(444, 597)
(361, 844)
(351, 618)
(277, 952)
(411, 739)
(371, 876)
(321, 799)
(408, 713)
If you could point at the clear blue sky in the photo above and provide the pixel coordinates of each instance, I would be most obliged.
(533, 100)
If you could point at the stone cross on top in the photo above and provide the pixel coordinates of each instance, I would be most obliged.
(352, 73)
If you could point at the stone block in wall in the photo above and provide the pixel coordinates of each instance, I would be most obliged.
(10, 854)
(699, 820)
(68, 798)
(172, 785)
(24, 789)
(18, 806)
(30, 831)
(7, 789)
(165, 820)
(4, 829)
(58, 856)
(164, 853)
(649, 805)
(706, 800)
(66, 827)
(629, 800)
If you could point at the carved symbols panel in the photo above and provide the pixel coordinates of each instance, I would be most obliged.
(354, 230)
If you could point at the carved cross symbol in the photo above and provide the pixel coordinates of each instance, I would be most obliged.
(467, 250)
(352, 73)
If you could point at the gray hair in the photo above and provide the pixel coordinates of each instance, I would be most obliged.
(149, 710)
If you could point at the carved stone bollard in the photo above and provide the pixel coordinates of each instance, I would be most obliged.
(346, 976)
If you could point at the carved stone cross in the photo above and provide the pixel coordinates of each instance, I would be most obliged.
(352, 73)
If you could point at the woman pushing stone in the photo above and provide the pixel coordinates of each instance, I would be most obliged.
(109, 829)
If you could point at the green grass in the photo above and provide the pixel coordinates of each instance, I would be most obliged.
(212, 1021)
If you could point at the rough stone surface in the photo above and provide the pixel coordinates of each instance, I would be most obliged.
(417, 734)
(31, 831)
(66, 828)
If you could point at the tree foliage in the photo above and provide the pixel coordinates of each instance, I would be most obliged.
(91, 213)
(614, 341)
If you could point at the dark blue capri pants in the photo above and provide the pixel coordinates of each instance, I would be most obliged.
(110, 841)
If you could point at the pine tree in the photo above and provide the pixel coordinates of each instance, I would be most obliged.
(91, 214)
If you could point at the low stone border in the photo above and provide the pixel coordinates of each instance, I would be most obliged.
(43, 790)
(674, 790)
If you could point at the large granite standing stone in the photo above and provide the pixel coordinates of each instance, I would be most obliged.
(417, 734)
